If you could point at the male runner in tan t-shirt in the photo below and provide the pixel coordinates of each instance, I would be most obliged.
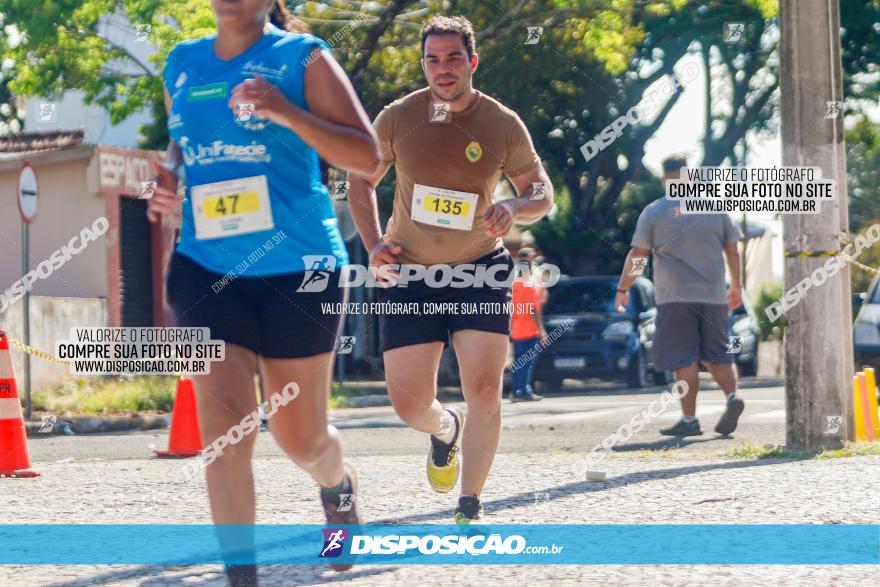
(449, 145)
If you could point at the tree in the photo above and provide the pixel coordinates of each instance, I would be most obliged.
(74, 45)
(595, 61)
(739, 96)
(860, 42)
(863, 173)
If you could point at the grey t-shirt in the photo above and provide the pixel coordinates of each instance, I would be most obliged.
(688, 252)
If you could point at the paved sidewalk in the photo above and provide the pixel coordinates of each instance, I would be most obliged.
(642, 487)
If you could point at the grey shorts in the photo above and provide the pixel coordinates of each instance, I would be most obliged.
(691, 331)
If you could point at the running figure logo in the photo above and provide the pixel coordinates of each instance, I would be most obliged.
(539, 190)
(346, 500)
(334, 542)
(47, 424)
(638, 265)
(340, 190)
(542, 499)
(735, 345)
(832, 109)
(833, 424)
(733, 31)
(346, 345)
(147, 189)
(245, 111)
(318, 270)
(141, 32)
(534, 35)
(47, 113)
(440, 112)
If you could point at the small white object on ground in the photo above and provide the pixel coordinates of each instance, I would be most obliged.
(595, 475)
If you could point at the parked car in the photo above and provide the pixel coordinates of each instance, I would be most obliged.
(594, 339)
(606, 344)
(866, 330)
(743, 323)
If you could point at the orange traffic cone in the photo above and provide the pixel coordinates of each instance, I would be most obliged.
(185, 439)
(15, 461)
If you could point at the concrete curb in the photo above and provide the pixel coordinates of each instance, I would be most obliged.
(364, 401)
(375, 400)
(92, 425)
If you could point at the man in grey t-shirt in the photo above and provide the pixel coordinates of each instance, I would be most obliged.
(692, 298)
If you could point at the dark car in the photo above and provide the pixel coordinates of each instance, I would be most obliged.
(593, 339)
(866, 330)
(606, 344)
(743, 325)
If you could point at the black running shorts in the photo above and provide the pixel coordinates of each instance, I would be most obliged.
(265, 315)
(482, 307)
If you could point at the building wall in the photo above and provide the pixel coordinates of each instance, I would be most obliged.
(66, 206)
(51, 321)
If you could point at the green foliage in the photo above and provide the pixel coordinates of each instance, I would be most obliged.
(860, 42)
(594, 62)
(108, 395)
(771, 292)
(860, 278)
(850, 449)
(863, 173)
(73, 45)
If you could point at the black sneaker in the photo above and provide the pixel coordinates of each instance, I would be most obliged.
(242, 575)
(340, 506)
(727, 423)
(682, 428)
(469, 510)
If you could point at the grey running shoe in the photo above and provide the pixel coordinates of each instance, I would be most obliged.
(727, 423)
(682, 428)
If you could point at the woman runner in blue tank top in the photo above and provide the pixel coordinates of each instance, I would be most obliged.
(250, 110)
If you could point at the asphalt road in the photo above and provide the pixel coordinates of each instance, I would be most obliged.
(573, 420)
(114, 479)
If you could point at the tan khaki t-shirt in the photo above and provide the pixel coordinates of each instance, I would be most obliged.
(466, 154)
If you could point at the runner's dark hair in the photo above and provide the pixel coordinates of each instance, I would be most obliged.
(451, 25)
(281, 17)
(674, 163)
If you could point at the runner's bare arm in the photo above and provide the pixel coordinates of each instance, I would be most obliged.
(165, 199)
(335, 125)
(534, 199)
(734, 293)
(628, 276)
(365, 210)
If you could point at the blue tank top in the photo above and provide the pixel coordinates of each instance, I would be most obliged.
(219, 145)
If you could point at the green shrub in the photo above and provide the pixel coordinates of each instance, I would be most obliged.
(109, 395)
(771, 292)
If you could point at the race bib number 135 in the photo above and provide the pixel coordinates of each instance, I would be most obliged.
(446, 208)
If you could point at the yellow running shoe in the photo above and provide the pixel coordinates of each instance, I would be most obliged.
(443, 466)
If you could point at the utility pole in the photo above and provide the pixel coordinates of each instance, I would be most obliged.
(818, 341)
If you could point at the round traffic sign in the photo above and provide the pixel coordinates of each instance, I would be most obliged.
(27, 192)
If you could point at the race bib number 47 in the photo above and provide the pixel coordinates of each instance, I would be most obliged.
(445, 208)
(229, 208)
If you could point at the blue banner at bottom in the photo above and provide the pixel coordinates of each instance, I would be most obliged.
(519, 544)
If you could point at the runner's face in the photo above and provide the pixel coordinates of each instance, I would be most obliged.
(238, 14)
(447, 67)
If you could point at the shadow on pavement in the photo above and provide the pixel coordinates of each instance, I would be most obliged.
(152, 575)
(528, 499)
(666, 443)
(611, 388)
